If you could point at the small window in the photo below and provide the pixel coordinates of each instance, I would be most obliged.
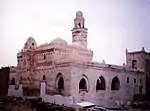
(33, 44)
(44, 77)
(127, 79)
(134, 64)
(44, 56)
(134, 80)
(79, 24)
(140, 80)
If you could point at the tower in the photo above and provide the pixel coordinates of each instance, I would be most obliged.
(79, 32)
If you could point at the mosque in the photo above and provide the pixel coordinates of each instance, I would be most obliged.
(68, 70)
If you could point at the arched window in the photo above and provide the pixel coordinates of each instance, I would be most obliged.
(115, 85)
(44, 77)
(127, 79)
(13, 81)
(100, 85)
(44, 56)
(61, 83)
(82, 84)
(134, 64)
(79, 24)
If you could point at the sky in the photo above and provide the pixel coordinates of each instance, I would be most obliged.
(113, 26)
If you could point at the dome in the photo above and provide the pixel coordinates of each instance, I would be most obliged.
(59, 41)
(30, 43)
(30, 39)
(79, 14)
(77, 45)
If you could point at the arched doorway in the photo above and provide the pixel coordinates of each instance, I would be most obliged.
(60, 83)
(115, 85)
(100, 84)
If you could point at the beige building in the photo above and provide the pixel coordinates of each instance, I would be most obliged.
(69, 70)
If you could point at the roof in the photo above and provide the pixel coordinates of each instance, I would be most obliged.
(59, 41)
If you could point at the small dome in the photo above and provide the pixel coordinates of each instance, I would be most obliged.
(79, 14)
(59, 41)
(77, 45)
(30, 38)
(30, 43)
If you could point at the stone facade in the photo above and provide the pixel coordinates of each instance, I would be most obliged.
(69, 70)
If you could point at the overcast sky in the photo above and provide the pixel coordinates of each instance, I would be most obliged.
(113, 25)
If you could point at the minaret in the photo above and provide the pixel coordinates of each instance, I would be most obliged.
(79, 32)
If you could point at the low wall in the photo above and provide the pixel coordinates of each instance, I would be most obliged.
(57, 99)
(15, 92)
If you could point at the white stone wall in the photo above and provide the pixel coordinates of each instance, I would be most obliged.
(15, 92)
(104, 97)
(57, 99)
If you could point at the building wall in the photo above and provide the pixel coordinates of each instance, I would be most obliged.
(105, 97)
(143, 64)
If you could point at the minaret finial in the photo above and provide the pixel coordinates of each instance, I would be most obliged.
(79, 14)
(143, 49)
(126, 50)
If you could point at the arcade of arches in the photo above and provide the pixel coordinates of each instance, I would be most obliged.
(83, 83)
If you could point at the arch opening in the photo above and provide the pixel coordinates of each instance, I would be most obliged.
(100, 84)
(82, 84)
(61, 83)
(134, 64)
(115, 85)
(44, 77)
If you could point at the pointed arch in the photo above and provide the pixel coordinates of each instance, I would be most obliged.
(100, 84)
(82, 84)
(60, 82)
(115, 85)
(44, 77)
